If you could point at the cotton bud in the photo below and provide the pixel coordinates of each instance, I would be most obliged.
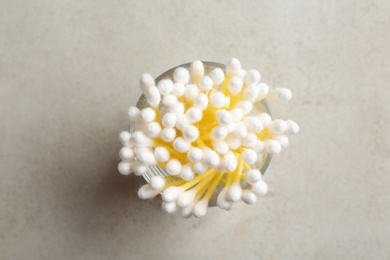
(233, 66)
(249, 197)
(245, 106)
(126, 153)
(191, 92)
(173, 167)
(133, 113)
(125, 168)
(201, 101)
(153, 96)
(224, 117)
(195, 154)
(168, 134)
(218, 133)
(217, 76)
(249, 156)
(169, 100)
(252, 77)
(191, 133)
(263, 91)
(272, 146)
(186, 172)
(157, 182)
(292, 127)
(178, 89)
(235, 85)
(253, 124)
(146, 192)
(217, 99)
(205, 83)
(146, 81)
(165, 86)
(169, 120)
(182, 145)
(181, 75)
(161, 154)
(153, 129)
(194, 114)
(253, 176)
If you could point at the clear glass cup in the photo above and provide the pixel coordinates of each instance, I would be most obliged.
(258, 107)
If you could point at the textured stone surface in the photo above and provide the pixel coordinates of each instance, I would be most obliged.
(69, 70)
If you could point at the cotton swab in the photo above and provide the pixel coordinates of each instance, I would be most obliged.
(201, 127)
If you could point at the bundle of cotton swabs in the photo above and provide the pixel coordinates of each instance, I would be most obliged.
(202, 131)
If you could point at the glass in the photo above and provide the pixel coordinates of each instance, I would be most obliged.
(258, 107)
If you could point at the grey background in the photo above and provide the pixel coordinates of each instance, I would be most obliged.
(69, 70)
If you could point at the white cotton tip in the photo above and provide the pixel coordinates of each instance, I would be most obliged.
(141, 140)
(251, 93)
(165, 86)
(168, 134)
(157, 183)
(249, 197)
(224, 117)
(222, 202)
(259, 146)
(191, 92)
(230, 162)
(235, 192)
(200, 167)
(191, 133)
(263, 91)
(252, 77)
(125, 138)
(145, 156)
(126, 153)
(181, 75)
(245, 106)
(237, 114)
(194, 114)
(220, 147)
(292, 127)
(173, 167)
(233, 66)
(249, 140)
(147, 115)
(146, 192)
(169, 207)
(133, 113)
(186, 172)
(169, 100)
(253, 124)
(161, 154)
(218, 133)
(182, 122)
(264, 118)
(283, 140)
(187, 211)
(217, 99)
(249, 156)
(153, 96)
(201, 101)
(125, 168)
(205, 83)
(195, 154)
(178, 89)
(273, 147)
(196, 70)
(217, 76)
(277, 126)
(230, 127)
(139, 169)
(241, 74)
(260, 188)
(282, 94)
(177, 108)
(241, 131)
(171, 193)
(153, 129)
(210, 157)
(182, 145)
(200, 208)
(146, 81)
(186, 198)
(169, 120)
(235, 85)
(253, 176)
(233, 142)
